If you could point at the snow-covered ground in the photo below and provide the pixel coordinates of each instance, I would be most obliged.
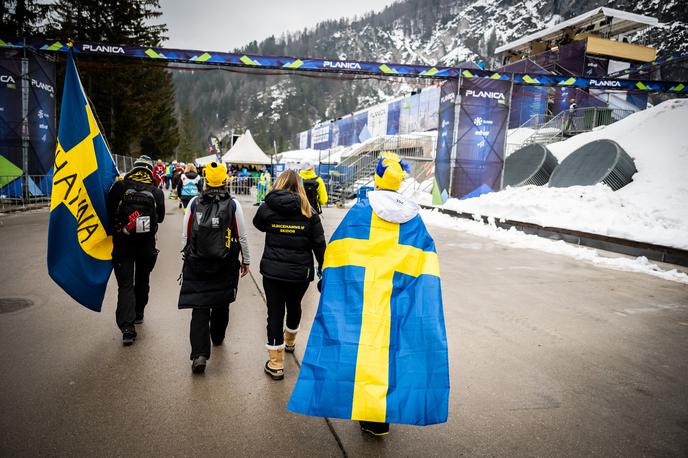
(653, 208)
(515, 238)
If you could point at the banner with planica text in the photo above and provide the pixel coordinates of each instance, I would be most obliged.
(481, 129)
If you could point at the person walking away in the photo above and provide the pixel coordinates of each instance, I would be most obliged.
(168, 174)
(189, 185)
(263, 186)
(213, 235)
(377, 352)
(570, 125)
(159, 173)
(135, 207)
(176, 178)
(293, 234)
(314, 186)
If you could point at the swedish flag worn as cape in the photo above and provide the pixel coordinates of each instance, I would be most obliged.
(378, 348)
(79, 243)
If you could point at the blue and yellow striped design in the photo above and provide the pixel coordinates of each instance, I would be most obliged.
(79, 243)
(378, 349)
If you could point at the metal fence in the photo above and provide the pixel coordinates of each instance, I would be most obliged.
(123, 163)
(550, 129)
(17, 193)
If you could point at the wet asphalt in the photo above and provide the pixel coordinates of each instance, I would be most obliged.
(549, 356)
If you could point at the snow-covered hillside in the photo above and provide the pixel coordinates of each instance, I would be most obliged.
(435, 32)
(653, 208)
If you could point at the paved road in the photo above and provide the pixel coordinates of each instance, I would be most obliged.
(548, 356)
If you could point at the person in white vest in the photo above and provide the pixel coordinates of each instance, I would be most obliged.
(189, 185)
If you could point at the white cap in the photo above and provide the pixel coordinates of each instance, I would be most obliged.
(306, 165)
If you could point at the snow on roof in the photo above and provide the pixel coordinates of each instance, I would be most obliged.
(622, 22)
(246, 151)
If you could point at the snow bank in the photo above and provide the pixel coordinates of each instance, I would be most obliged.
(653, 208)
(515, 238)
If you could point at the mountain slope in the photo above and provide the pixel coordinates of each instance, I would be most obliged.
(434, 32)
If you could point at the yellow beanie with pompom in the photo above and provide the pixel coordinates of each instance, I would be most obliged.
(215, 175)
(390, 171)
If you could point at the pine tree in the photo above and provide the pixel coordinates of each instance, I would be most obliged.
(189, 146)
(135, 103)
(20, 18)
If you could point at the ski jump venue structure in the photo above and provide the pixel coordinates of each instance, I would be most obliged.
(474, 105)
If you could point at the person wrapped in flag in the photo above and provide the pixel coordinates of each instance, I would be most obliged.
(377, 352)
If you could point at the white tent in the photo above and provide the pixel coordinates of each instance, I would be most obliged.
(205, 160)
(246, 151)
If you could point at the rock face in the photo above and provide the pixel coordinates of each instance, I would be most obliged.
(436, 32)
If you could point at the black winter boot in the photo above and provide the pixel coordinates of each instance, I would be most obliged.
(374, 428)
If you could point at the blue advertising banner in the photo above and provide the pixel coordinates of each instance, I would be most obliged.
(322, 136)
(393, 113)
(527, 102)
(41, 115)
(345, 131)
(481, 135)
(562, 99)
(445, 141)
(360, 122)
(190, 56)
(409, 112)
(10, 111)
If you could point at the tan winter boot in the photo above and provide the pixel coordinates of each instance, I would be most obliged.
(274, 366)
(290, 340)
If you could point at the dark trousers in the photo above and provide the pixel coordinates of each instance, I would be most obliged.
(133, 261)
(207, 323)
(283, 295)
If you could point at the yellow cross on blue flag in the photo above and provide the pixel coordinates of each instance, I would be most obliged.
(378, 347)
(79, 243)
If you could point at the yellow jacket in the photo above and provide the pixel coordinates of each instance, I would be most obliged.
(322, 191)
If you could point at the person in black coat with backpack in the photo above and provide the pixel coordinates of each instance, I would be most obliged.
(135, 208)
(213, 236)
(293, 234)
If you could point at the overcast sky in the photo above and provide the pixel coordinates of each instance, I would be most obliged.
(217, 25)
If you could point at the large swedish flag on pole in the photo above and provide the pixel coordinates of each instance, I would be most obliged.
(378, 348)
(79, 246)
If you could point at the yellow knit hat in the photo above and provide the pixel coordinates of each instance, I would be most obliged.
(215, 175)
(390, 172)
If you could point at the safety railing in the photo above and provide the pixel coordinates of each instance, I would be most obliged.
(573, 122)
(123, 163)
(344, 180)
(240, 186)
(18, 193)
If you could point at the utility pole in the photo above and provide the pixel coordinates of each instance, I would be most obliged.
(25, 123)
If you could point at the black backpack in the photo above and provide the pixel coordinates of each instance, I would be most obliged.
(137, 212)
(311, 186)
(211, 242)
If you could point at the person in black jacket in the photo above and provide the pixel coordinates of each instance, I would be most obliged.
(293, 234)
(214, 235)
(134, 252)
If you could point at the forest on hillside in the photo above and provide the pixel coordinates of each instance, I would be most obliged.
(434, 32)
